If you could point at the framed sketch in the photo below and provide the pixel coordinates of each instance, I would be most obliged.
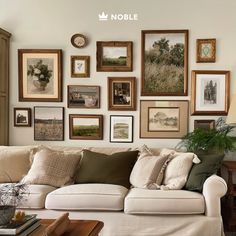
(86, 127)
(121, 129)
(40, 75)
(210, 92)
(80, 66)
(114, 56)
(22, 117)
(204, 124)
(83, 96)
(163, 118)
(49, 123)
(164, 63)
(121, 93)
(206, 50)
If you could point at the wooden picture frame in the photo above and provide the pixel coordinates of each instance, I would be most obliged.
(163, 118)
(22, 117)
(114, 56)
(88, 127)
(206, 50)
(210, 92)
(121, 129)
(40, 75)
(204, 124)
(80, 66)
(83, 96)
(48, 123)
(164, 63)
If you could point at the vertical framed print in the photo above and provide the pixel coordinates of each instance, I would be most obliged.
(22, 117)
(206, 50)
(80, 66)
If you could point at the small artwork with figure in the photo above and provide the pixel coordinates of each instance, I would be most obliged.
(22, 117)
(210, 90)
(121, 93)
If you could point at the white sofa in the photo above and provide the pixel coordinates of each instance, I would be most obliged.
(127, 212)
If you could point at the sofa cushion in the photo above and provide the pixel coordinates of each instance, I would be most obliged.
(144, 201)
(36, 197)
(106, 197)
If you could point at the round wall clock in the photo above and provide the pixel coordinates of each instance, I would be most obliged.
(79, 40)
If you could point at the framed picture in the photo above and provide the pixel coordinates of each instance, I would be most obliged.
(210, 92)
(163, 119)
(22, 117)
(49, 123)
(40, 75)
(164, 63)
(206, 50)
(83, 96)
(80, 66)
(121, 129)
(86, 127)
(204, 124)
(115, 56)
(121, 93)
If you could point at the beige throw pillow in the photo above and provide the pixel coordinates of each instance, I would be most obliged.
(55, 168)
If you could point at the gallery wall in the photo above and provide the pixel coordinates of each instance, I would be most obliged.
(50, 24)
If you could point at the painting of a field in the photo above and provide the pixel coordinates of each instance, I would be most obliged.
(114, 56)
(121, 130)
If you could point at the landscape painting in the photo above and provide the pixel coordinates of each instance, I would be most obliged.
(164, 62)
(210, 91)
(114, 56)
(48, 123)
(86, 127)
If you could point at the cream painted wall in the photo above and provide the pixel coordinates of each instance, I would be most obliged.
(51, 23)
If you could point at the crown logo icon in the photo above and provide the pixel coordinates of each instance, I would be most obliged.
(103, 16)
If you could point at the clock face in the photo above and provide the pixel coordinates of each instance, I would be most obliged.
(78, 40)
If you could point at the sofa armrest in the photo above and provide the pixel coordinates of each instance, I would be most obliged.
(214, 188)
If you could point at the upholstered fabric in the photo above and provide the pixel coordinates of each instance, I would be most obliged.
(105, 197)
(143, 201)
(54, 168)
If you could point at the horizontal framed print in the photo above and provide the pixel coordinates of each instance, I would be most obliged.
(83, 96)
(164, 65)
(22, 117)
(210, 92)
(86, 127)
(80, 66)
(204, 124)
(121, 93)
(206, 50)
(48, 123)
(163, 119)
(40, 75)
(121, 129)
(114, 56)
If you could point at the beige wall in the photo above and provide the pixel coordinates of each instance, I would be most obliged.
(51, 23)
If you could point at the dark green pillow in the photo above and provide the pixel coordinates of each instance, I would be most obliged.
(101, 168)
(209, 165)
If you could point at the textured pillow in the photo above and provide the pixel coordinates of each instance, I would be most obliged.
(108, 169)
(210, 164)
(55, 168)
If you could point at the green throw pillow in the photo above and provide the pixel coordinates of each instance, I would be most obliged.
(108, 169)
(209, 165)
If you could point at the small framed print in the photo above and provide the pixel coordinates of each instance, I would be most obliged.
(121, 129)
(121, 93)
(80, 66)
(210, 92)
(83, 96)
(86, 127)
(206, 50)
(49, 123)
(22, 117)
(163, 119)
(115, 56)
(204, 124)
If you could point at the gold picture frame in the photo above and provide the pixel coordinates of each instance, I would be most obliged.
(80, 66)
(206, 50)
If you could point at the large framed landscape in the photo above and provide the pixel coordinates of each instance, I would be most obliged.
(49, 123)
(164, 66)
(163, 119)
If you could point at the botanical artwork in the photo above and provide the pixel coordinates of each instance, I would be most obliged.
(206, 50)
(163, 119)
(80, 66)
(49, 123)
(83, 96)
(210, 90)
(121, 93)
(114, 56)
(164, 63)
(22, 117)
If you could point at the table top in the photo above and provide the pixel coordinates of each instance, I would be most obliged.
(230, 165)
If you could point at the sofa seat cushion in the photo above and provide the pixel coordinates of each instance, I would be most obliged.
(144, 201)
(107, 197)
(36, 197)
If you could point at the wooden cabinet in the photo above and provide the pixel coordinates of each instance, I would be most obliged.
(4, 86)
